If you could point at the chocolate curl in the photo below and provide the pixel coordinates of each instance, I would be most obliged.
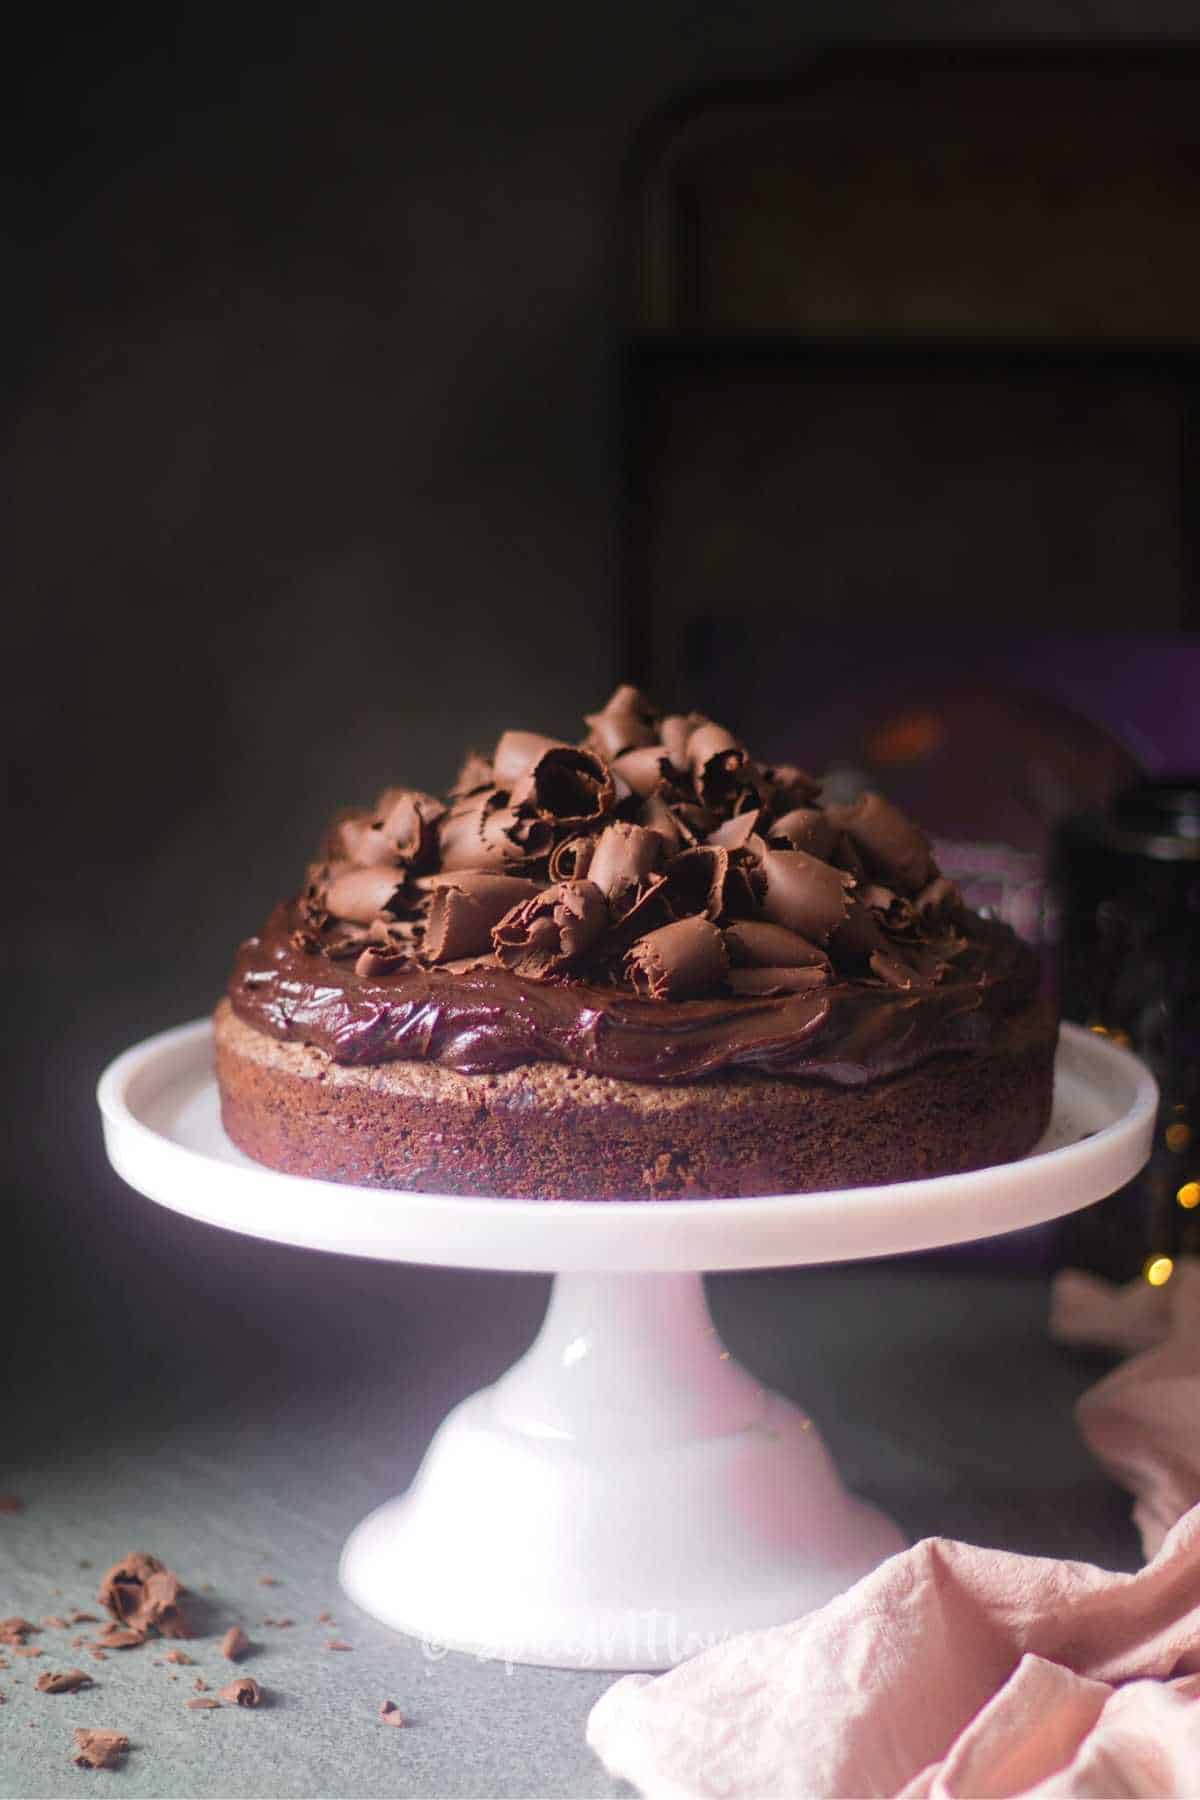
(485, 832)
(566, 784)
(460, 831)
(624, 856)
(696, 880)
(634, 912)
(889, 841)
(625, 721)
(570, 860)
(803, 893)
(895, 913)
(790, 786)
(674, 732)
(657, 816)
(941, 897)
(382, 959)
(517, 753)
(358, 895)
(844, 855)
(678, 961)
(511, 836)
(544, 935)
(475, 774)
(859, 934)
(463, 909)
(644, 770)
(344, 942)
(716, 761)
(400, 830)
(735, 833)
(696, 821)
(767, 981)
(744, 885)
(806, 828)
(755, 942)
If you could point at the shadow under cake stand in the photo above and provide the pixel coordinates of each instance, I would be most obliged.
(626, 1493)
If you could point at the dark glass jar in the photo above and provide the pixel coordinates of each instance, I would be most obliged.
(1128, 898)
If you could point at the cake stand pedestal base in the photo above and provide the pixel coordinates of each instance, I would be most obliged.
(625, 1495)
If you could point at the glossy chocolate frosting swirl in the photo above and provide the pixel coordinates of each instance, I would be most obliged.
(651, 904)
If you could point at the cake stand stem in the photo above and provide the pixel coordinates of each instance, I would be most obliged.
(627, 1360)
(624, 1495)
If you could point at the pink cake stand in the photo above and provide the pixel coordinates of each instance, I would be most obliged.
(626, 1493)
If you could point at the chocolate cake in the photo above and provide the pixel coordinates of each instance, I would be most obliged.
(642, 966)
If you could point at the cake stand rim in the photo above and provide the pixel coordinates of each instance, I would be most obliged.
(759, 1231)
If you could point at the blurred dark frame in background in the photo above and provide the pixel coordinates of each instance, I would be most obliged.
(912, 334)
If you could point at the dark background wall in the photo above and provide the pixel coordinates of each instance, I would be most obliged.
(309, 471)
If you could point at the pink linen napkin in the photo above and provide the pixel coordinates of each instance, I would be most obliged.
(958, 1671)
(1143, 1420)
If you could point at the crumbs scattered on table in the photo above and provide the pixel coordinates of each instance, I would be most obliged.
(99, 1654)
(268, 1581)
(85, 1562)
(99, 1749)
(16, 1630)
(177, 1656)
(200, 1685)
(234, 1644)
(28, 1650)
(54, 1623)
(79, 1617)
(62, 1681)
(337, 1644)
(278, 1624)
(390, 1713)
(324, 1618)
(245, 1691)
(204, 1706)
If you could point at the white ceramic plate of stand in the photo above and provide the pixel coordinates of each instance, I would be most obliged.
(626, 1493)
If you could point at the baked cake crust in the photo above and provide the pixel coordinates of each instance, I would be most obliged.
(548, 1131)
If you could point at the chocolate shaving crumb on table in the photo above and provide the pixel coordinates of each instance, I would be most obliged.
(234, 1644)
(28, 1650)
(268, 1581)
(245, 1691)
(337, 1644)
(16, 1629)
(120, 1637)
(62, 1681)
(177, 1656)
(98, 1748)
(390, 1713)
(141, 1592)
(204, 1706)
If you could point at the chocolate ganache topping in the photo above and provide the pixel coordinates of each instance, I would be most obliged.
(652, 904)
